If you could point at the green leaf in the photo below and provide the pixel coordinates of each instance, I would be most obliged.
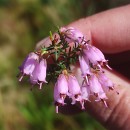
(51, 35)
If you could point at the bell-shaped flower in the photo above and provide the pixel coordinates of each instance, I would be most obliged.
(95, 86)
(38, 76)
(85, 67)
(62, 84)
(74, 89)
(95, 56)
(105, 82)
(97, 90)
(85, 92)
(60, 91)
(28, 65)
(72, 35)
(103, 61)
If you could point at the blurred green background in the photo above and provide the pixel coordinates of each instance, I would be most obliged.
(22, 24)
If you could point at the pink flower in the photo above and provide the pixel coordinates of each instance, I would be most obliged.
(95, 56)
(97, 90)
(72, 35)
(85, 92)
(29, 64)
(95, 86)
(105, 81)
(85, 67)
(60, 91)
(38, 76)
(74, 89)
(103, 62)
(102, 97)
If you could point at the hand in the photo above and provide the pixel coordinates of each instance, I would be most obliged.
(110, 32)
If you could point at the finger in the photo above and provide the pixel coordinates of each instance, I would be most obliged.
(117, 115)
(109, 30)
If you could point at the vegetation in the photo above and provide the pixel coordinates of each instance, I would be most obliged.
(22, 24)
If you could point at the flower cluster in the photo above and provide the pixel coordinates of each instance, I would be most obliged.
(35, 67)
(67, 47)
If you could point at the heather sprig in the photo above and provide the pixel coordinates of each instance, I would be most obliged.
(67, 47)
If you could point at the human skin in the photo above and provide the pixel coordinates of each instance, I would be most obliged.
(110, 32)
